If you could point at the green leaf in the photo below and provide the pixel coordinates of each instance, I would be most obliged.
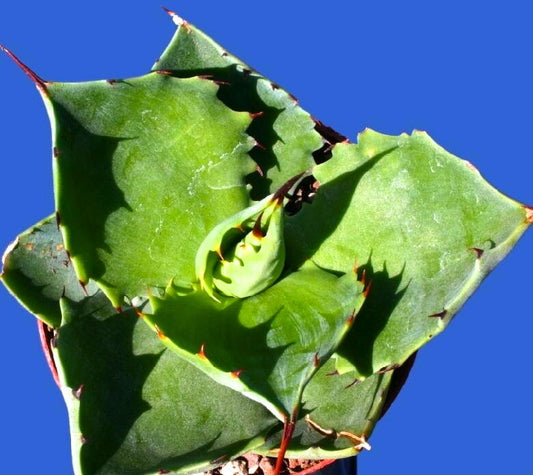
(286, 133)
(38, 271)
(424, 226)
(144, 169)
(244, 254)
(136, 406)
(267, 346)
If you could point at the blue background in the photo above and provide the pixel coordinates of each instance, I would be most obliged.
(459, 70)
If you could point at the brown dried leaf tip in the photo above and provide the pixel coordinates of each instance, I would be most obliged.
(359, 442)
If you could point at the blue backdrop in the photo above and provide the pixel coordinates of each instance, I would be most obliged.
(459, 70)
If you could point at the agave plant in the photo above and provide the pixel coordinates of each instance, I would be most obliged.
(212, 238)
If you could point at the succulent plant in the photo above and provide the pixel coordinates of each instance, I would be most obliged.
(210, 237)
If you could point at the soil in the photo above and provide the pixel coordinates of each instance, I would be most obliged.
(254, 464)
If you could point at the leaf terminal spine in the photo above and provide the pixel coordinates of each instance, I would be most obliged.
(178, 21)
(39, 82)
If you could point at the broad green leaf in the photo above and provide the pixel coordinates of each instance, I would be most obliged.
(38, 271)
(144, 168)
(267, 346)
(424, 226)
(136, 406)
(286, 133)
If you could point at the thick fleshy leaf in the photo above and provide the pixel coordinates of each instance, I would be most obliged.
(144, 168)
(286, 133)
(346, 409)
(267, 346)
(424, 226)
(134, 406)
(37, 271)
(244, 254)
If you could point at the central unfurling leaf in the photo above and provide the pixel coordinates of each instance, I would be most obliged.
(245, 254)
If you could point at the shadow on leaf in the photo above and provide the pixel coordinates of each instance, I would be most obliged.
(318, 220)
(384, 295)
(82, 206)
(107, 374)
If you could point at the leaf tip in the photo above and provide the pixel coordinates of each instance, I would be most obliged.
(279, 195)
(178, 21)
(39, 82)
(359, 441)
